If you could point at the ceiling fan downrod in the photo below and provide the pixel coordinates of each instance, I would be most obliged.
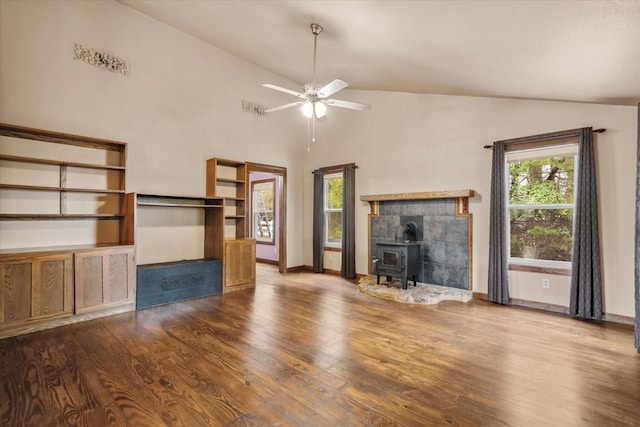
(315, 29)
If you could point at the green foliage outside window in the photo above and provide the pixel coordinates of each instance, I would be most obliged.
(544, 230)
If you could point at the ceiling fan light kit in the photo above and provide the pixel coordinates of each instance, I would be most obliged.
(316, 99)
(311, 109)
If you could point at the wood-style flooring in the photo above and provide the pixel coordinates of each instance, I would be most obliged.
(304, 349)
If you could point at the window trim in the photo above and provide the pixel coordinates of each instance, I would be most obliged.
(330, 173)
(568, 144)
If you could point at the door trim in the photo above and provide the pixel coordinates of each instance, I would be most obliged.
(282, 218)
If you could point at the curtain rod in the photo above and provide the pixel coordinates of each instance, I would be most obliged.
(601, 130)
(353, 165)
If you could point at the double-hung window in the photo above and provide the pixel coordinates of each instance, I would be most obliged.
(333, 210)
(540, 204)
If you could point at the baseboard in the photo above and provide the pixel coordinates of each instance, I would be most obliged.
(309, 269)
(332, 272)
(552, 308)
(560, 309)
(480, 296)
(267, 261)
(620, 320)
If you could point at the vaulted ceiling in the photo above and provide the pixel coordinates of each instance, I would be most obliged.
(583, 51)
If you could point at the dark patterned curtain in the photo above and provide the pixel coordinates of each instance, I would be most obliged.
(318, 221)
(498, 279)
(586, 287)
(348, 269)
(638, 242)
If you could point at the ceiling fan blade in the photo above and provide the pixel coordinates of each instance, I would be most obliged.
(285, 90)
(282, 107)
(347, 104)
(331, 88)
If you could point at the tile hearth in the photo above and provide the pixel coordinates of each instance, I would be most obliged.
(420, 294)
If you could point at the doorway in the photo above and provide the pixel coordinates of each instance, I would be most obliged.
(267, 213)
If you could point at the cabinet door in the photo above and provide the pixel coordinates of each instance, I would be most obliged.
(239, 264)
(105, 278)
(35, 287)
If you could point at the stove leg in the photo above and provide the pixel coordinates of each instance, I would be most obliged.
(389, 279)
(404, 283)
(414, 280)
(378, 279)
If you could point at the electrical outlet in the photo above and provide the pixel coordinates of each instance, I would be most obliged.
(546, 283)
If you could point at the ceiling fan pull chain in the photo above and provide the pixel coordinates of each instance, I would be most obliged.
(313, 129)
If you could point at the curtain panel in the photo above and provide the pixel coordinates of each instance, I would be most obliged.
(498, 290)
(585, 300)
(318, 221)
(637, 328)
(348, 269)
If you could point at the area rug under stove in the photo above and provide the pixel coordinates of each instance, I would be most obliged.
(420, 294)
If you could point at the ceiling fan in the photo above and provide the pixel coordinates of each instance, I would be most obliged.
(315, 98)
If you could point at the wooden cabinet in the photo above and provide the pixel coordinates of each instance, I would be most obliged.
(66, 229)
(228, 179)
(104, 279)
(35, 286)
(43, 289)
(239, 264)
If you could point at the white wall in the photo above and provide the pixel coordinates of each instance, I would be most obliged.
(410, 143)
(180, 106)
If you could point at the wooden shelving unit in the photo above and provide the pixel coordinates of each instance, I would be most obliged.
(51, 177)
(228, 179)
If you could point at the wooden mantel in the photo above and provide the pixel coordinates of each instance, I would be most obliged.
(461, 197)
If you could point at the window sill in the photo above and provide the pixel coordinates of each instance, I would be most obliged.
(559, 271)
(332, 249)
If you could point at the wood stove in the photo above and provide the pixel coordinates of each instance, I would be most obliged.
(398, 259)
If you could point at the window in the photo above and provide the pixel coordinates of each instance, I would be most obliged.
(333, 210)
(263, 210)
(540, 206)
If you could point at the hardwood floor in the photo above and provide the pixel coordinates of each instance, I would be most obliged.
(309, 350)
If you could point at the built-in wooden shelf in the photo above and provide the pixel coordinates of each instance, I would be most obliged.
(62, 248)
(178, 201)
(59, 163)
(60, 189)
(27, 217)
(229, 180)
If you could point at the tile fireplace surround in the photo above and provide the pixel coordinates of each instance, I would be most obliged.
(445, 232)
